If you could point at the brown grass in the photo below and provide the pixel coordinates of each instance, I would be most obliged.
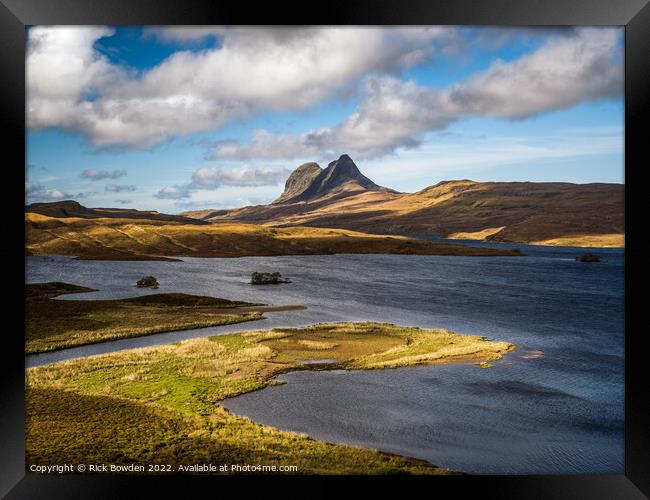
(595, 241)
(112, 238)
(476, 235)
(526, 212)
(160, 404)
(57, 324)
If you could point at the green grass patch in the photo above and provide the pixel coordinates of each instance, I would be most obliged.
(58, 324)
(161, 404)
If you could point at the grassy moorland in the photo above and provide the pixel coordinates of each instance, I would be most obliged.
(597, 241)
(594, 241)
(135, 239)
(57, 324)
(160, 405)
(516, 212)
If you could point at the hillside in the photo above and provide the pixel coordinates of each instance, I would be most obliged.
(526, 212)
(71, 208)
(130, 239)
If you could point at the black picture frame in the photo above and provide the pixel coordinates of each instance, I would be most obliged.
(16, 15)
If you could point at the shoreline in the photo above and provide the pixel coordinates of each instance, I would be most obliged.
(56, 325)
(551, 243)
(315, 367)
(193, 377)
(153, 332)
(451, 241)
(245, 310)
(473, 252)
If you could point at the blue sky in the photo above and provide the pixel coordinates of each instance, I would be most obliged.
(178, 118)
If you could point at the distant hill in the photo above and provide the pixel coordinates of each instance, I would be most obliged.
(340, 196)
(131, 239)
(71, 208)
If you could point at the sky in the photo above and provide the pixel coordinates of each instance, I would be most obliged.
(185, 118)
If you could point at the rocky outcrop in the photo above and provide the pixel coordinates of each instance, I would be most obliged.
(589, 257)
(268, 279)
(147, 282)
(299, 181)
(338, 173)
(309, 181)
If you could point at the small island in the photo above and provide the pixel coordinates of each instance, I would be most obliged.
(589, 257)
(268, 279)
(147, 282)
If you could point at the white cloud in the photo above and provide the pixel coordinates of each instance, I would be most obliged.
(54, 194)
(190, 33)
(395, 114)
(118, 188)
(32, 188)
(228, 197)
(561, 74)
(225, 201)
(254, 70)
(460, 156)
(97, 175)
(35, 191)
(212, 178)
(47, 178)
(63, 71)
(174, 192)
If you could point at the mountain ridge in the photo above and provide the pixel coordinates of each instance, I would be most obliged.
(299, 180)
(340, 197)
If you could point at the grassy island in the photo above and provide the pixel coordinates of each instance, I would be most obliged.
(58, 324)
(161, 404)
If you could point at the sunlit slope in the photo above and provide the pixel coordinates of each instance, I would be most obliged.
(113, 238)
(526, 212)
(71, 208)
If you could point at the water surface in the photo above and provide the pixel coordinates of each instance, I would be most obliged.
(553, 406)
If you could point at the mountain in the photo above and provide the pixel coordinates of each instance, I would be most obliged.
(308, 189)
(71, 208)
(69, 228)
(341, 178)
(340, 196)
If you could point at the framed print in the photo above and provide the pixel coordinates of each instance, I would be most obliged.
(368, 239)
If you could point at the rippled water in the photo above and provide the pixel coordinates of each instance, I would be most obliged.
(553, 406)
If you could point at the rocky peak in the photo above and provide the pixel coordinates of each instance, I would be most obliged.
(299, 180)
(341, 171)
(309, 181)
